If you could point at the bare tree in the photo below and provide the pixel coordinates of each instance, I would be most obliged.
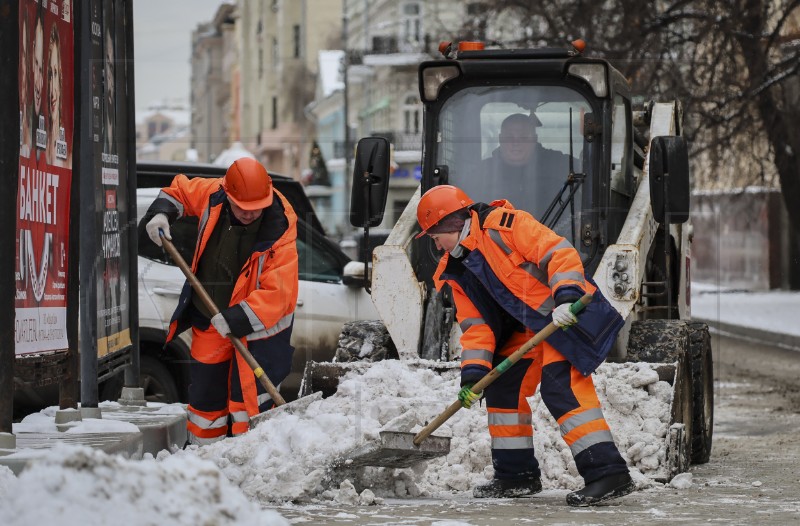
(734, 64)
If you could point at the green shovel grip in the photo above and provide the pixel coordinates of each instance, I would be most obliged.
(576, 307)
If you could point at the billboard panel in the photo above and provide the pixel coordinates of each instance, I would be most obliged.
(46, 115)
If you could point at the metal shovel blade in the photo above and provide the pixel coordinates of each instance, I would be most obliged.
(396, 449)
(289, 408)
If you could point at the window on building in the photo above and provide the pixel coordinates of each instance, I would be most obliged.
(275, 53)
(411, 115)
(476, 8)
(398, 205)
(296, 38)
(260, 123)
(274, 113)
(411, 22)
(260, 63)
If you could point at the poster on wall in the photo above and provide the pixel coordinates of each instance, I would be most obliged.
(46, 116)
(109, 134)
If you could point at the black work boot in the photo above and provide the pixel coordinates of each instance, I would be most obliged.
(508, 488)
(603, 489)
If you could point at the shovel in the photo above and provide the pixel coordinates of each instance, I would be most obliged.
(484, 382)
(209, 303)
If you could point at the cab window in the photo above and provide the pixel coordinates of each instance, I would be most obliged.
(518, 143)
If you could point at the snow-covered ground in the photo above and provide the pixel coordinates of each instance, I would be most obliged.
(773, 311)
(297, 457)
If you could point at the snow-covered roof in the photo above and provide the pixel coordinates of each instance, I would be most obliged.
(177, 116)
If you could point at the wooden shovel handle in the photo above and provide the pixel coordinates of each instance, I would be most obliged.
(492, 375)
(209, 303)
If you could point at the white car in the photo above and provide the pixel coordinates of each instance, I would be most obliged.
(325, 302)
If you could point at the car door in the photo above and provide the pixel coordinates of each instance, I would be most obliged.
(324, 302)
(160, 279)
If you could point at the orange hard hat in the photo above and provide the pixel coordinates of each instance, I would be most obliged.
(248, 184)
(438, 203)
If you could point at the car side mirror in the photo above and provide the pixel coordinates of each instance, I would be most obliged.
(669, 179)
(370, 182)
(353, 274)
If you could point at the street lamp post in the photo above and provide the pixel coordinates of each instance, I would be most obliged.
(347, 151)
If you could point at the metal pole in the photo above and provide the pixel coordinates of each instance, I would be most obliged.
(348, 154)
(68, 395)
(131, 372)
(9, 167)
(88, 245)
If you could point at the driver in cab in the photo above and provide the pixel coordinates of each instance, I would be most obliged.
(522, 167)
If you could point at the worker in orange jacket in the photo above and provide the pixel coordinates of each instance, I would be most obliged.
(510, 277)
(246, 259)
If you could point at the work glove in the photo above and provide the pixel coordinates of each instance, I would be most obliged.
(159, 222)
(467, 397)
(563, 317)
(221, 324)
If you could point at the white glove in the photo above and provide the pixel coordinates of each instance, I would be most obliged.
(562, 316)
(219, 323)
(159, 221)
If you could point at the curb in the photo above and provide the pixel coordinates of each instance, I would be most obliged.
(788, 341)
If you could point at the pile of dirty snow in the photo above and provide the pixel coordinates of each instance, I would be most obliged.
(76, 485)
(299, 457)
(302, 457)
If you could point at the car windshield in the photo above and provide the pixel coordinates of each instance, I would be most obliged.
(514, 143)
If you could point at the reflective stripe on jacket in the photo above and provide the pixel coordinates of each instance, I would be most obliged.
(518, 266)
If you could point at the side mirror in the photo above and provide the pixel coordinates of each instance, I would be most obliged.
(370, 182)
(354, 274)
(669, 179)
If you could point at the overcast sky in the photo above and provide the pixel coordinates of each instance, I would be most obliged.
(162, 46)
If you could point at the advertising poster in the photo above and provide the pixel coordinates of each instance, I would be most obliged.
(109, 121)
(46, 116)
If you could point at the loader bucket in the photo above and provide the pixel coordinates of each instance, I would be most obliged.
(665, 343)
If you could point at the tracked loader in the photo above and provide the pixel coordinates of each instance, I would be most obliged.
(615, 184)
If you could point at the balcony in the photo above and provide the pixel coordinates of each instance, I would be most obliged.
(408, 141)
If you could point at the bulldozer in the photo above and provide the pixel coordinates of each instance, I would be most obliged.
(612, 178)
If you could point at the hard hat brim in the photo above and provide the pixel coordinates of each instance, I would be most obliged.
(253, 205)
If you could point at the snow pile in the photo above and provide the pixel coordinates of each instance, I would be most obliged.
(44, 422)
(300, 457)
(73, 485)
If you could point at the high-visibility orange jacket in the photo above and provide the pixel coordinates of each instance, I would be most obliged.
(265, 294)
(512, 275)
